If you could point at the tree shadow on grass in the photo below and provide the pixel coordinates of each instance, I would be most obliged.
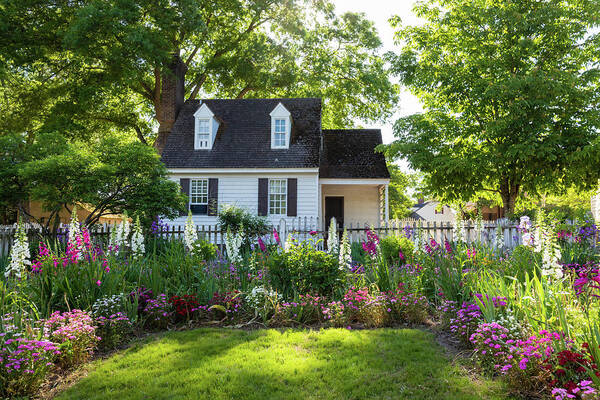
(292, 364)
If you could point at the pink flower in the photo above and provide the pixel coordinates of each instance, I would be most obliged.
(262, 246)
(98, 282)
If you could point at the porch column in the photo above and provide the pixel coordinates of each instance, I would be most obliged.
(387, 204)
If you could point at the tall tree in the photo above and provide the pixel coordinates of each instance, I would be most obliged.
(511, 96)
(106, 176)
(107, 62)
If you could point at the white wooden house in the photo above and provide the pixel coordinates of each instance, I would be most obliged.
(271, 157)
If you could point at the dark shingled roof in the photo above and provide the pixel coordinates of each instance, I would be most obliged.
(244, 136)
(350, 153)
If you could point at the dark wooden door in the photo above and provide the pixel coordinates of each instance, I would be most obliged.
(334, 207)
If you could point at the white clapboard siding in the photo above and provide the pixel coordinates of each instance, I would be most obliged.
(241, 190)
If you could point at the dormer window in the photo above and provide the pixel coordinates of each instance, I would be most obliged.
(281, 124)
(205, 128)
(279, 139)
(203, 139)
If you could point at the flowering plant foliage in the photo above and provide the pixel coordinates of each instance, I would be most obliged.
(569, 369)
(24, 364)
(158, 311)
(226, 305)
(113, 329)
(119, 236)
(75, 332)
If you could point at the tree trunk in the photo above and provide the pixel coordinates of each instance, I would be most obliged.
(509, 192)
(164, 129)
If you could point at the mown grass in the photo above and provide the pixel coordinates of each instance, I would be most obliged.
(291, 364)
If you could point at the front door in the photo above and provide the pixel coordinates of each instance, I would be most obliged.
(334, 207)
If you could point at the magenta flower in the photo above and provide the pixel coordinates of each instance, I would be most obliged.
(98, 282)
(262, 246)
(276, 236)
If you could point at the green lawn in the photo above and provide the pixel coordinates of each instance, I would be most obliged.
(293, 364)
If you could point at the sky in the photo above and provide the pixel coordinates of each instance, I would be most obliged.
(379, 11)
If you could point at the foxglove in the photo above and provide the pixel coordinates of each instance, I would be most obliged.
(19, 254)
(137, 240)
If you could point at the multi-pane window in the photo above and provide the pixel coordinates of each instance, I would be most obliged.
(199, 196)
(277, 196)
(280, 133)
(203, 133)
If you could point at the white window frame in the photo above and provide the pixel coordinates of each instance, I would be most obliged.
(192, 195)
(204, 114)
(281, 208)
(278, 114)
(203, 138)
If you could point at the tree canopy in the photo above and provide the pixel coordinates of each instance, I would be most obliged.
(91, 66)
(113, 176)
(511, 96)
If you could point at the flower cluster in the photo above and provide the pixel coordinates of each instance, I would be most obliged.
(233, 245)
(24, 364)
(333, 242)
(261, 298)
(19, 254)
(493, 343)
(119, 235)
(137, 240)
(371, 245)
(184, 305)
(345, 257)
(190, 235)
(158, 311)
(108, 305)
(466, 320)
(524, 228)
(159, 226)
(75, 332)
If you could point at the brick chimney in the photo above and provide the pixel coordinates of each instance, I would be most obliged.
(171, 100)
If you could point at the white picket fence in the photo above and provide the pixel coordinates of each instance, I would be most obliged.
(301, 228)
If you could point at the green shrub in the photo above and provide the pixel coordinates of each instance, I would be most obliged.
(234, 218)
(357, 253)
(303, 269)
(205, 250)
(391, 246)
(522, 261)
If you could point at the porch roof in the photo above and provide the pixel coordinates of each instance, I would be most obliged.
(350, 154)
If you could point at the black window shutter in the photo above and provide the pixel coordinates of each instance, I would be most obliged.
(185, 189)
(213, 196)
(292, 197)
(263, 196)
